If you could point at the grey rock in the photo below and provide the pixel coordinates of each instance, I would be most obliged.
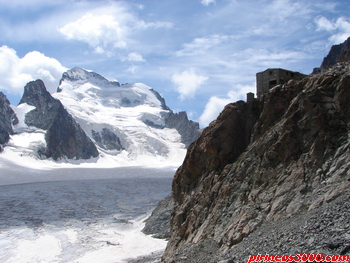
(7, 119)
(64, 136)
(338, 53)
(189, 130)
(107, 139)
(161, 99)
(158, 224)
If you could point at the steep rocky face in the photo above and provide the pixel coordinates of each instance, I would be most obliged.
(221, 143)
(7, 119)
(161, 99)
(158, 224)
(64, 137)
(107, 139)
(189, 130)
(338, 53)
(278, 160)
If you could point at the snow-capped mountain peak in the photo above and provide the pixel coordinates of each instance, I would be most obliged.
(78, 76)
(126, 124)
(133, 116)
(82, 85)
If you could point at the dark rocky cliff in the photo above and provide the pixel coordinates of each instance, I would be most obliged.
(338, 53)
(267, 170)
(7, 119)
(189, 130)
(64, 136)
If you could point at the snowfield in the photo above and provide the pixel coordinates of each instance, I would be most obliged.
(81, 215)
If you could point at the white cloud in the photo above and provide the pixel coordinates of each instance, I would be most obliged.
(201, 45)
(324, 24)
(269, 58)
(16, 72)
(216, 104)
(157, 24)
(187, 83)
(134, 56)
(340, 28)
(207, 2)
(100, 32)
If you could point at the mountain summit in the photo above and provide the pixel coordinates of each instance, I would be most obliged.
(91, 116)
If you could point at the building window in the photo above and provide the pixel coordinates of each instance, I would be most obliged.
(272, 82)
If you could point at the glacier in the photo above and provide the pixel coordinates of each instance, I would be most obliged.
(89, 210)
(79, 214)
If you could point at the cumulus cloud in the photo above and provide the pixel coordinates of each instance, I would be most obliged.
(100, 32)
(187, 83)
(340, 28)
(216, 104)
(16, 72)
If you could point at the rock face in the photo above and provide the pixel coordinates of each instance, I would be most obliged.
(189, 130)
(107, 140)
(64, 137)
(7, 119)
(158, 224)
(263, 165)
(338, 53)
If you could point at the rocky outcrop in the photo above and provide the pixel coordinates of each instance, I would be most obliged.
(158, 224)
(189, 130)
(338, 53)
(107, 139)
(161, 99)
(277, 161)
(64, 136)
(7, 119)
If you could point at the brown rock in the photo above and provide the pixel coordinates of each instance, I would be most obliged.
(264, 163)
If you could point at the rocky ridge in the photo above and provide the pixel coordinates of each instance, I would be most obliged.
(64, 137)
(273, 164)
(8, 118)
(189, 130)
(338, 53)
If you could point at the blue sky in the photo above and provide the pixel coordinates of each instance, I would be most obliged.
(199, 54)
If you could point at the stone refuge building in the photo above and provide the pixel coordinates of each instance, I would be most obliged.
(271, 77)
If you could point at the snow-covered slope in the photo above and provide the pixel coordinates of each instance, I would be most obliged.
(129, 124)
(132, 113)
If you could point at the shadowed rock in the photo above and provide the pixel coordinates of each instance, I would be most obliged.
(64, 136)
